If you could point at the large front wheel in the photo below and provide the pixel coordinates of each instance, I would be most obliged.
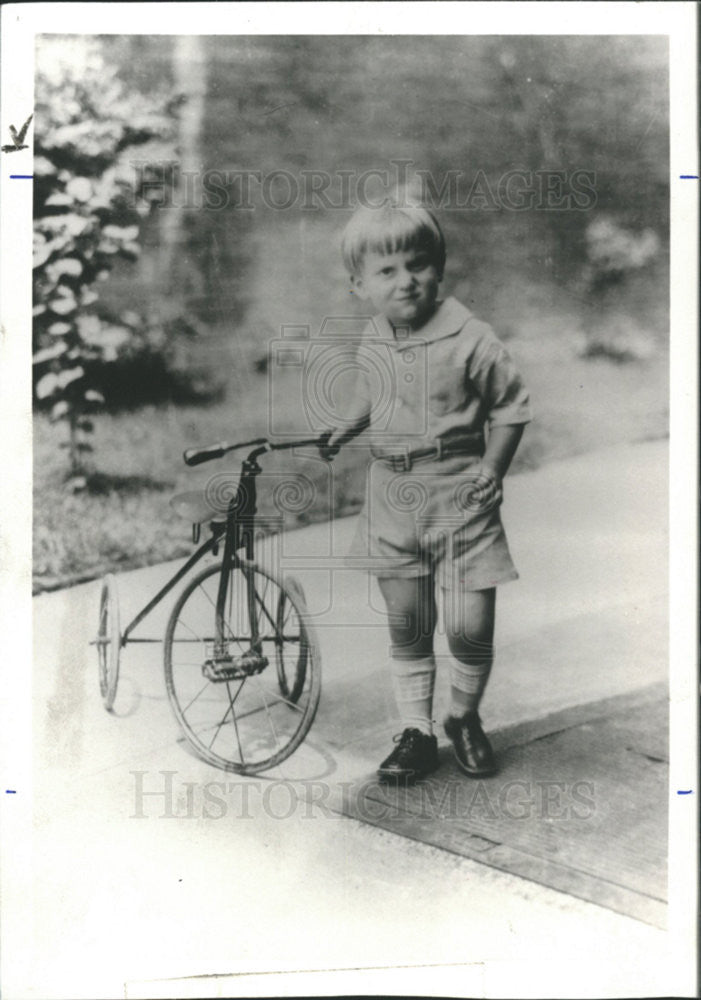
(244, 698)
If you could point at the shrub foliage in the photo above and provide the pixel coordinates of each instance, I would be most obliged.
(87, 212)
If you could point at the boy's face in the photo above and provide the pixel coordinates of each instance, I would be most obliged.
(401, 285)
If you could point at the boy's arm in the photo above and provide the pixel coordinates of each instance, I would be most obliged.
(501, 448)
(492, 371)
(358, 410)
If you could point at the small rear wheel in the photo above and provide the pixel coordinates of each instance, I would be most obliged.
(109, 641)
(244, 701)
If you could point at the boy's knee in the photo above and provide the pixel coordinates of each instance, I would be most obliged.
(470, 649)
(411, 651)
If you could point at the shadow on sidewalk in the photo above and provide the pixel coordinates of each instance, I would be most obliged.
(579, 804)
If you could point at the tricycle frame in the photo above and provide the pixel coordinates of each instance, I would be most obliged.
(298, 682)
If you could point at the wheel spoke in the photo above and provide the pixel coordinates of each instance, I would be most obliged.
(288, 613)
(239, 640)
(236, 725)
(214, 605)
(278, 637)
(264, 605)
(290, 704)
(224, 717)
(230, 595)
(285, 701)
(210, 638)
(269, 712)
(260, 602)
(181, 621)
(193, 700)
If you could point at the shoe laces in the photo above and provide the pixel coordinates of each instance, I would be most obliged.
(472, 728)
(408, 737)
(467, 735)
(469, 725)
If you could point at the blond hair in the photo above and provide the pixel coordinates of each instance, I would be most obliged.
(392, 227)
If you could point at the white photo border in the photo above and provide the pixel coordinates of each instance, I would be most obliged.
(20, 24)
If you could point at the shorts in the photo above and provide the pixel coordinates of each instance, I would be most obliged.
(438, 518)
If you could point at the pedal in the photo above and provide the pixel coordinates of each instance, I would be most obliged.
(230, 668)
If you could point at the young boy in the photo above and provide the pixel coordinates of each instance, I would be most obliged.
(434, 486)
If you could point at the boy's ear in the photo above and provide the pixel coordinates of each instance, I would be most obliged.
(358, 287)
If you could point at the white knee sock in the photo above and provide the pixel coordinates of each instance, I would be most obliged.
(467, 684)
(413, 682)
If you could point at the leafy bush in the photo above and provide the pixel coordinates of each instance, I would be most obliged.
(615, 256)
(87, 210)
(160, 361)
(613, 252)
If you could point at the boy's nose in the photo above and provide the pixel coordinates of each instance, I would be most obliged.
(406, 279)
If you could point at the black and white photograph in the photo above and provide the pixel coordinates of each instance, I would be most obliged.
(349, 379)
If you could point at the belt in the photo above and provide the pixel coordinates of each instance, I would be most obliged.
(465, 444)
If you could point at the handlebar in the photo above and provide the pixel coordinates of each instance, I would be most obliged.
(196, 456)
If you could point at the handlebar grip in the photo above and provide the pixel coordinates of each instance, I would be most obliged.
(195, 456)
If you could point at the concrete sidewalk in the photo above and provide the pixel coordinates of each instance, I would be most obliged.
(251, 894)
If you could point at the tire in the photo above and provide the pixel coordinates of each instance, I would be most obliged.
(291, 675)
(109, 641)
(251, 722)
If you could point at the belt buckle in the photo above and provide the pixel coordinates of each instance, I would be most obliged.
(402, 463)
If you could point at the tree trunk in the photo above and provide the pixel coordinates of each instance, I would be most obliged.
(179, 278)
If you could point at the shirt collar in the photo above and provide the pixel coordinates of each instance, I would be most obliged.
(449, 317)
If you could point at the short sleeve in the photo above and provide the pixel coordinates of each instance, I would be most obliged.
(495, 376)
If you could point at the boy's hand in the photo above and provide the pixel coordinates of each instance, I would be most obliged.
(488, 471)
(331, 442)
(483, 490)
(326, 450)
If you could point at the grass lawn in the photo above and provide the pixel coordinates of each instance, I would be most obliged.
(124, 520)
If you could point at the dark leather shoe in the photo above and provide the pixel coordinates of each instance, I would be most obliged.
(472, 748)
(415, 756)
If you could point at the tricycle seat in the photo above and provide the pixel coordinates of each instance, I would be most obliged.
(195, 508)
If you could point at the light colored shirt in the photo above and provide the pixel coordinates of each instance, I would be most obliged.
(451, 375)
